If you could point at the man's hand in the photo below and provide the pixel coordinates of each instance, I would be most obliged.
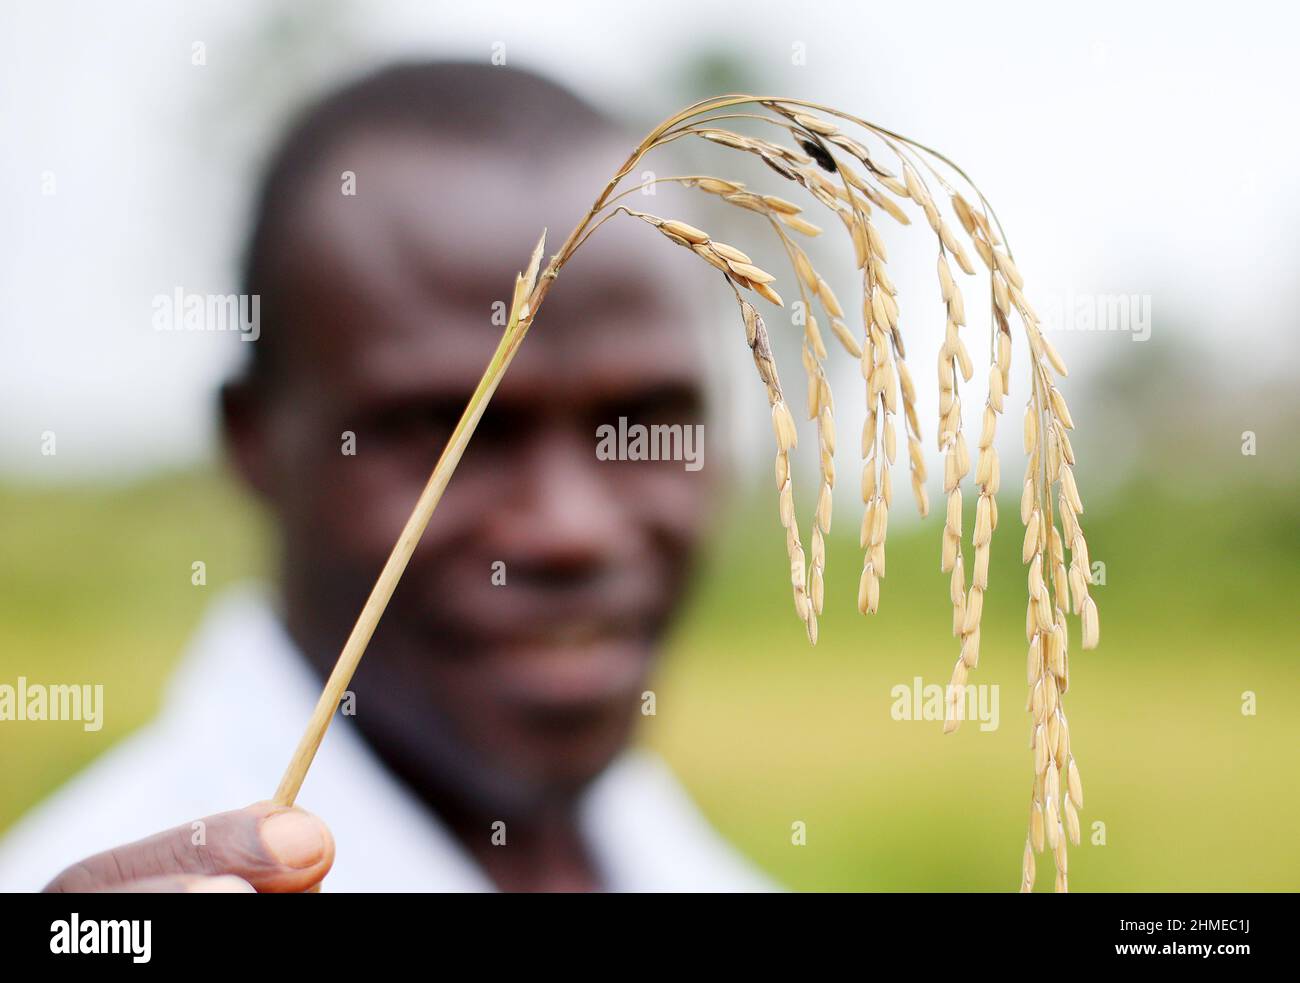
(263, 847)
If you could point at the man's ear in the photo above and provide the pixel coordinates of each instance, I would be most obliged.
(244, 432)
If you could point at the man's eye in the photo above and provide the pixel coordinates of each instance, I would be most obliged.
(401, 424)
(666, 406)
(497, 426)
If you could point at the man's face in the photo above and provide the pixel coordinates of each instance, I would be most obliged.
(511, 661)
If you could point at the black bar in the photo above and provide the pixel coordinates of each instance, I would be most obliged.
(942, 935)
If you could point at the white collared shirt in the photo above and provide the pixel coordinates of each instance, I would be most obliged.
(233, 715)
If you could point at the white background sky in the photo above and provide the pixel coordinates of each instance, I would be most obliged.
(1129, 147)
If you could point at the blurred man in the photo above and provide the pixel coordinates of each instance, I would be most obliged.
(485, 740)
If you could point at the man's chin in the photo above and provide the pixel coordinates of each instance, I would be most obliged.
(575, 705)
(525, 719)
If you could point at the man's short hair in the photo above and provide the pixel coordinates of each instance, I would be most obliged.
(512, 110)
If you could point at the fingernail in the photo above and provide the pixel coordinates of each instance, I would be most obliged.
(295, 839)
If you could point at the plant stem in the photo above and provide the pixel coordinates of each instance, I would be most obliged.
(382, 592)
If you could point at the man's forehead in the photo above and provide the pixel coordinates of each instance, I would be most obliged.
(548, 365)
(462, 203)
(418, 267)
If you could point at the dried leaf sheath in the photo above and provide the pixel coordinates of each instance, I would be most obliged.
(840, 173)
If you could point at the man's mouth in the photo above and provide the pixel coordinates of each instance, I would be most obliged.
(573, 664)
(575, 633)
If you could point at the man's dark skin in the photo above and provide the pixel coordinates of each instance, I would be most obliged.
(491, 702)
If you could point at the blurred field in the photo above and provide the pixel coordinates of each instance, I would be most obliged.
(1199, 607)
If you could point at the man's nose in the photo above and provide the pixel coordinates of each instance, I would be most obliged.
(565, 515)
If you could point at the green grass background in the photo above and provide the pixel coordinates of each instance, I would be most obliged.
(1199, 607)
